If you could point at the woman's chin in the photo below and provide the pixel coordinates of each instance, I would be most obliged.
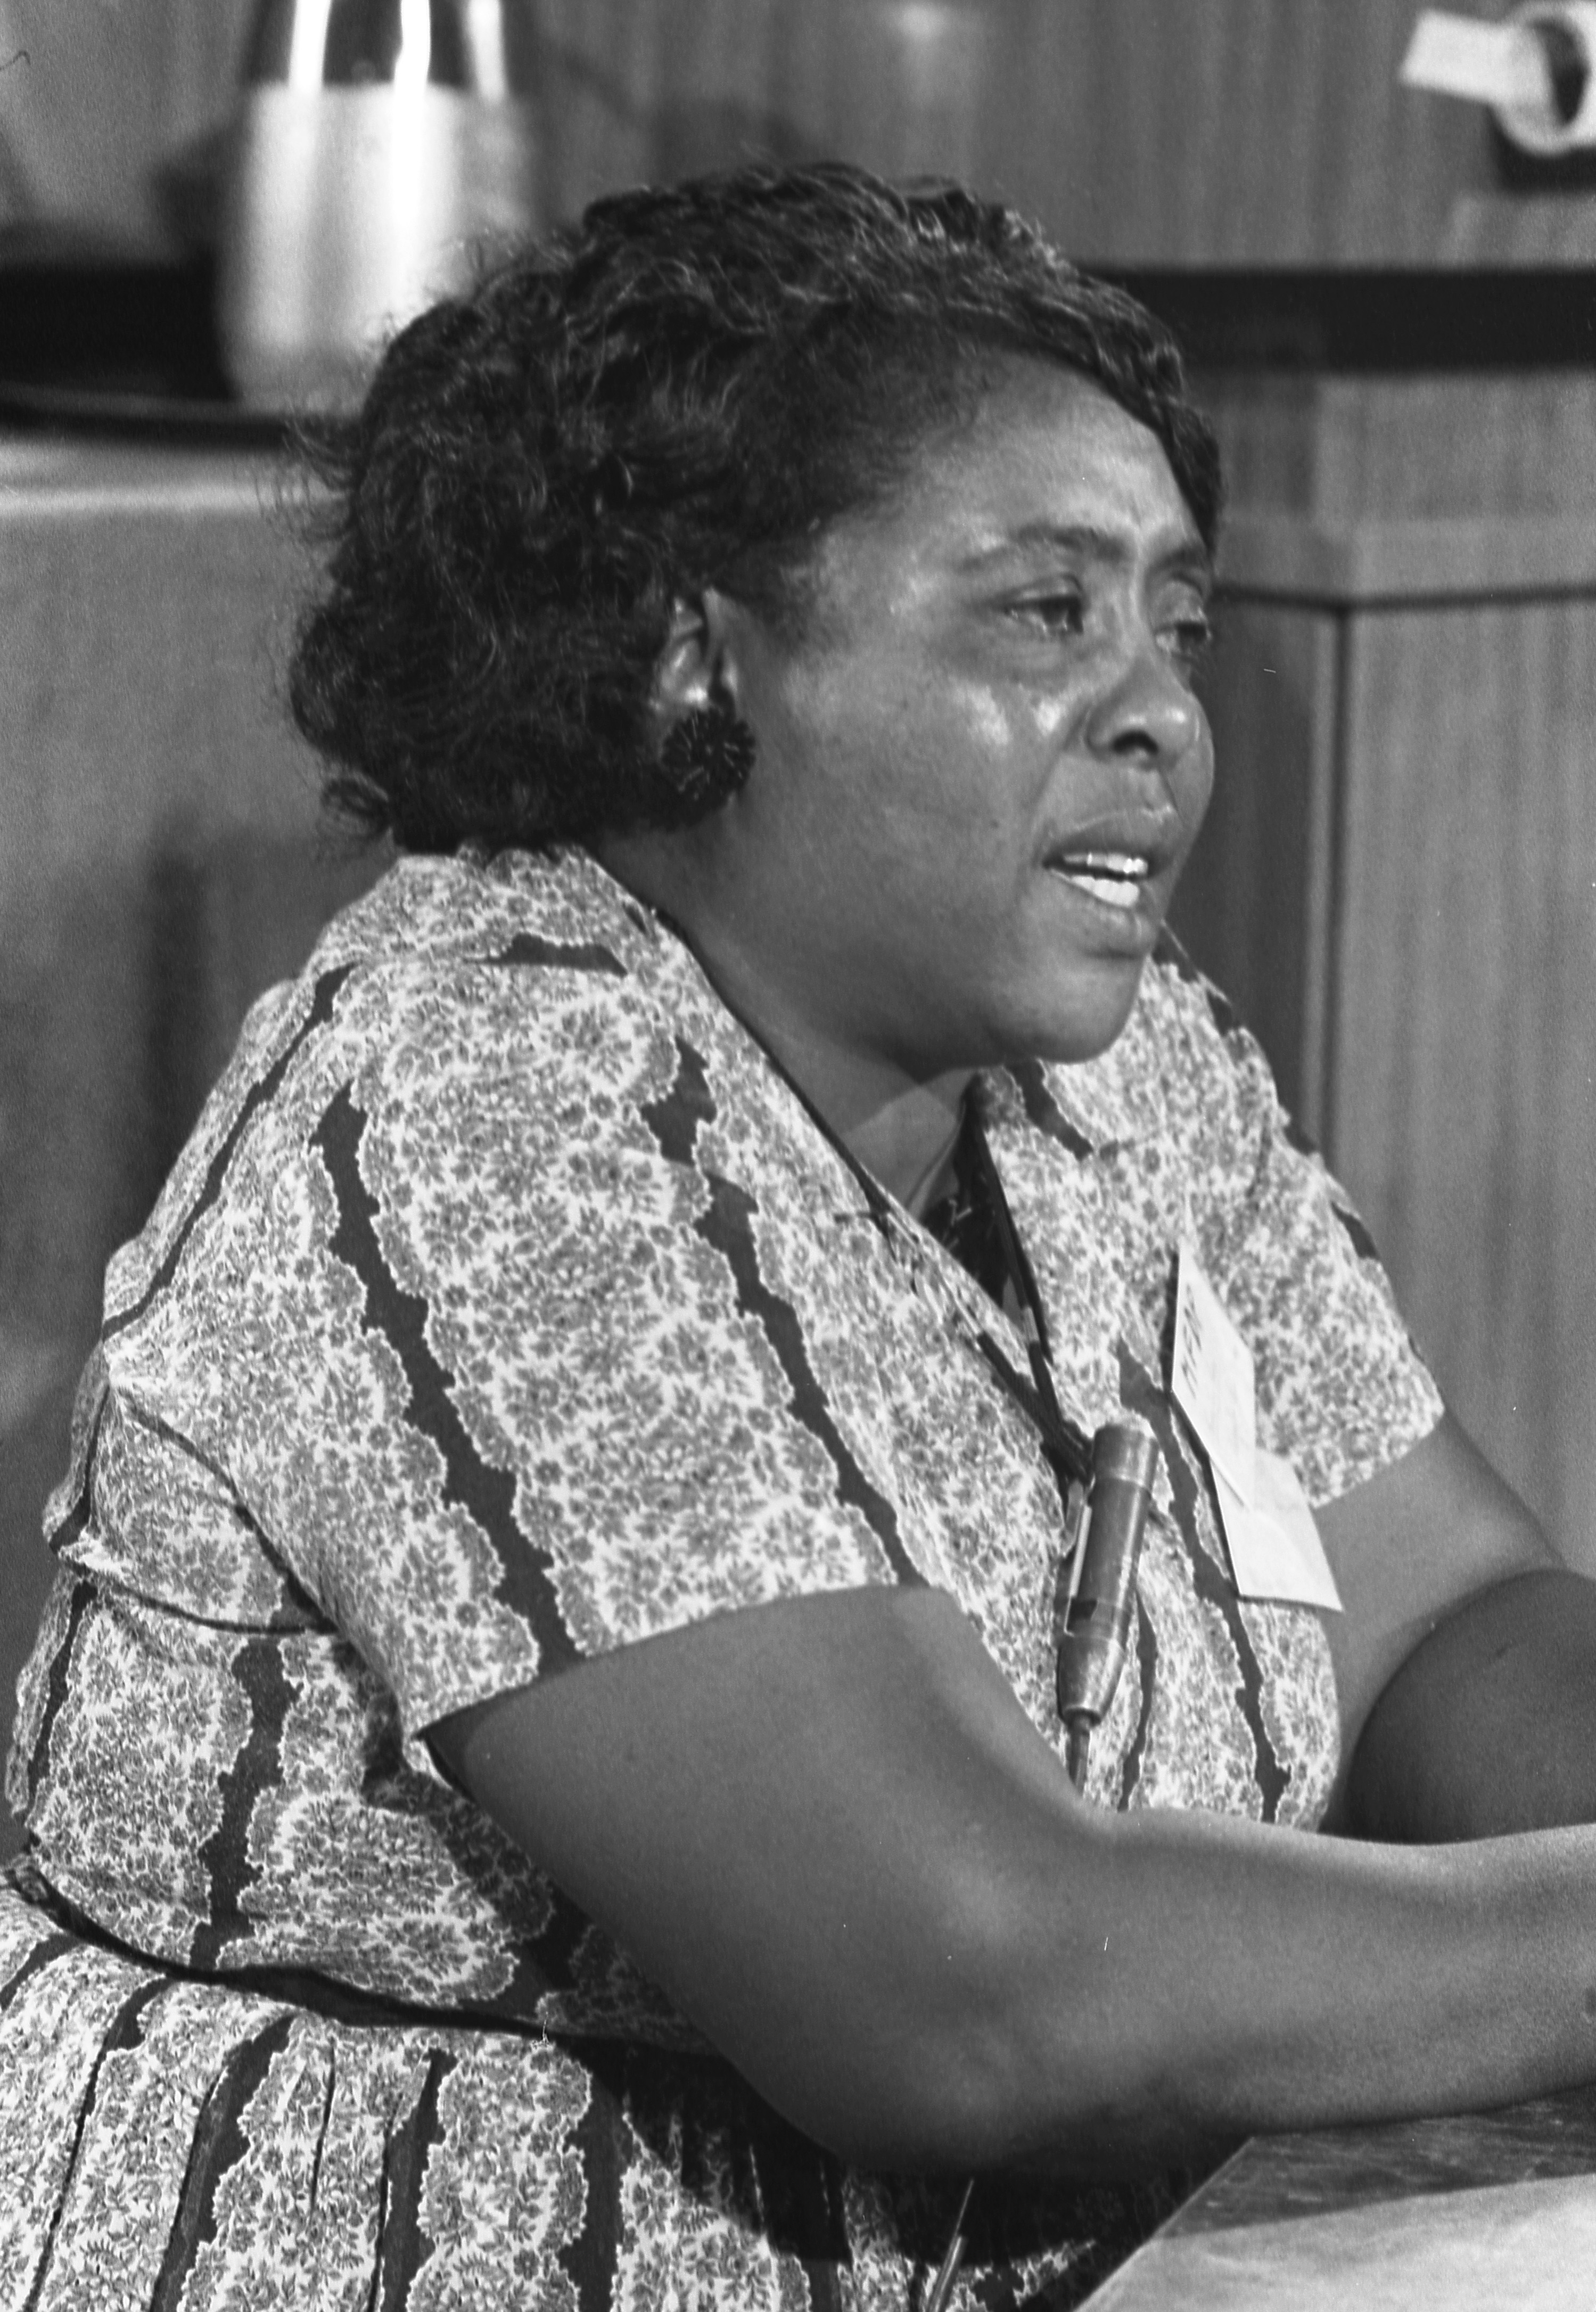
(1080, 1020)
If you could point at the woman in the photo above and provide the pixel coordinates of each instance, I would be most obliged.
(542, 1769)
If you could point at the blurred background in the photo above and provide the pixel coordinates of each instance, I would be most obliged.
(1391, 310)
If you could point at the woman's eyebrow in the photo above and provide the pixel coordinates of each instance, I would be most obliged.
(1185, 556)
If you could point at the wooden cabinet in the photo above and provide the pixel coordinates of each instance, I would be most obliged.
(1398, 884)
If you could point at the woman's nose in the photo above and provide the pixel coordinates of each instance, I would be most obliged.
(1148, 710)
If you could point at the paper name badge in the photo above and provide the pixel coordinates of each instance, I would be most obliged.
(1275, 1549)
(1211, 1376)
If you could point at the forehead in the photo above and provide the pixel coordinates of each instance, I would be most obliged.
(1045, 454)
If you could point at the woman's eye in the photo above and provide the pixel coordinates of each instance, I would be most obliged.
(1055, 614)
(1189, 640)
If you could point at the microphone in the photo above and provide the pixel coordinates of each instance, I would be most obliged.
(1094, 1621)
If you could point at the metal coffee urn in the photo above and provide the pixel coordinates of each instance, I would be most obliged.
(379, 145)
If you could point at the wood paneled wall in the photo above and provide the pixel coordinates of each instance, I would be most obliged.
(1463, 1066)
(1345, 448)
(1143, 132)
(96, 96)
(1397, 883)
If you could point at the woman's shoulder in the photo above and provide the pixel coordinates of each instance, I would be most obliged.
(439, 913)
(452, 990)
(465, 970)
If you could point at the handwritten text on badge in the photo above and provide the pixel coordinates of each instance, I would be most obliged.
(1212, 1377)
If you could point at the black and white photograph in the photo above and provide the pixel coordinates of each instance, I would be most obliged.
(798, 1156)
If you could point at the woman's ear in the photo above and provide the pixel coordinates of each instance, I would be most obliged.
(706, 748)
(697, 659)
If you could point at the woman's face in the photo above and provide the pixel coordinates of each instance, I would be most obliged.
(982, 766)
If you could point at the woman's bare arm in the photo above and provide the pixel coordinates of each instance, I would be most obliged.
(829, 1830)
(1466, 1659)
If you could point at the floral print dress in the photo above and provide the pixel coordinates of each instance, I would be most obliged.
(507, 1306)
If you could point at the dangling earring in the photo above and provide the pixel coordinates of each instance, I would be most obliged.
(708, 754)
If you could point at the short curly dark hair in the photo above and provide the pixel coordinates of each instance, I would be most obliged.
(684, 390)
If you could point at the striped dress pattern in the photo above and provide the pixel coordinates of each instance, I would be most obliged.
(507, 1306)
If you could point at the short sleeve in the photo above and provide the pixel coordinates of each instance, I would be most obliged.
(1342, 1389)
(485, 1344)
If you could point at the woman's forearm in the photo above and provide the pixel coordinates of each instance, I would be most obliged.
(1215, 1978)
(829, 1831)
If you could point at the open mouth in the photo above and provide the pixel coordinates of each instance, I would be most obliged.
(1116, 877)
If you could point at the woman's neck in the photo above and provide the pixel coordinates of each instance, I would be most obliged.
(908, 1144)
(901, 1127)
(903, 1130)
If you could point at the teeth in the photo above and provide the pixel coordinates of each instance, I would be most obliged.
(1114, 877)
(1113, 893)
(1130, 864)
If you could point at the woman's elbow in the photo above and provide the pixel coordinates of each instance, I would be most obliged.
(993, 2041)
